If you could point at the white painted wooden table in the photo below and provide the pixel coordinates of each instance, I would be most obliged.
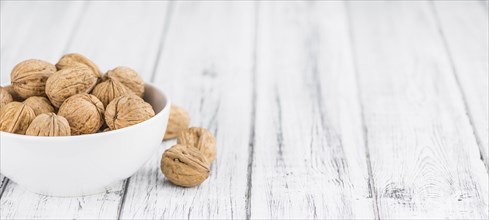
(320, 109)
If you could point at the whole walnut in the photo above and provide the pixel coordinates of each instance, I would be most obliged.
(15, 117)
(39, 104)
(77, 60)
(84, 113)
(29, 77)
(201, 139)
(5, 97)
(184, 166)
(127, 110)
(178, 122)
(68, 82)
(49, 124)
(109, 89)
(128, 77)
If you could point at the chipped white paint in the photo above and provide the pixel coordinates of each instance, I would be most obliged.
(321, 109)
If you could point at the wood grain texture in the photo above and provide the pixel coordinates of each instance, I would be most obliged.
(425, 159)
(101, 43)
(465, 31)
(309, 155)
(205, 67)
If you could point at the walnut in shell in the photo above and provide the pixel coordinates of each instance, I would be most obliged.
(184, 166)
(201, 139)
(68, 82)
(84, 113)
(16, 97)
(109, 89)
(5, 97)
(49, 124)
(15, 117)
(178, 122)
(39, 104)
(77, 60)
(128, 77)
(127, 110)
(29, 77)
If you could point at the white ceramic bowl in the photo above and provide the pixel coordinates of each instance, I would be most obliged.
(85, 164)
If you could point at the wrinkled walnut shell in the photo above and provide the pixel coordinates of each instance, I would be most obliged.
(84, 113)
(49, 124)
(108, 90)
(39, 104)
(5, 97)
(184, 166)
(68, 82)
(127, 110)
(29, 77)
(16, 97)
(178, 122)
(15, 117)
(129, 78)
(77, 60)
(201, 139)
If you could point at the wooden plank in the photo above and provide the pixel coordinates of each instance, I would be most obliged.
(111, 34)
(425, 159)
(205, 67)
(309, 155)
(465, 31)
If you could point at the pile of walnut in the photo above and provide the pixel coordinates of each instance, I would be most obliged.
(188, 162)
(71, 98)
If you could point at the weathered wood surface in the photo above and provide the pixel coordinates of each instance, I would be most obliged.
(320, 109)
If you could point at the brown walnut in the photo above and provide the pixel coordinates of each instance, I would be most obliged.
(5, 97)
(84, 113)
(178, 122)
(49, 124)
(109, 89)
(77, 60)
(15, 117)
(127, 110)
(29, 77)
(201, 139)
(39, 104)
(68, 82)
(16, 97)
(184, 166)
(129, 78)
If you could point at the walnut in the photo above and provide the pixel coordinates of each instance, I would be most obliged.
(77, 60)
(129, 78)
(109, 89)
(5, 97)
(14, 95)
(15, 117)
(68, 82)
(49, 124)
(84, 113)
(179, 121)
(201, 139)
(39, 104)
(184, 166)
(127, 110)
(29, 77)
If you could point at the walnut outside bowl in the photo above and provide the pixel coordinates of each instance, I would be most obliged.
(85, 164)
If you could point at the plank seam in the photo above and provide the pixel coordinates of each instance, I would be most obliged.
(251, 143)
(371, 183)
(455, 73)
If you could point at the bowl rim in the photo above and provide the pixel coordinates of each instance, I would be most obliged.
(98, 134)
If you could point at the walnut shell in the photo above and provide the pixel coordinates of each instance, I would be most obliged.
(178, 122)
(201, 139)
(84, 113)
(77, 60)
(15, 117)
(128, 77)
(184, 166)
(39, 104)
(5, 97)
(29, 77)
(68, 82)
(127, 110)
(49, 124)
(108, 90)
